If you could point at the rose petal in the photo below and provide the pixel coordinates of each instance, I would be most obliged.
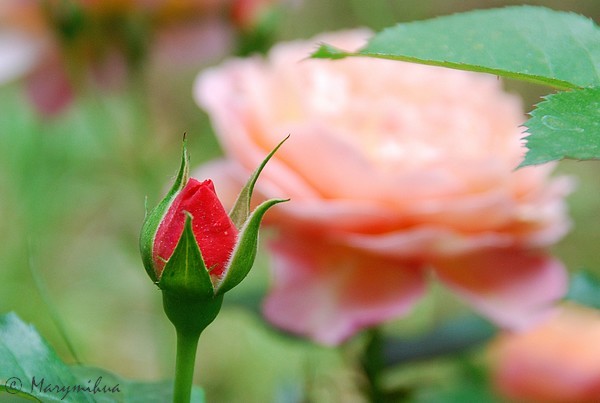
(328, 293)
(214, 92)
(227, 176)
(424, 242)
(513, 287)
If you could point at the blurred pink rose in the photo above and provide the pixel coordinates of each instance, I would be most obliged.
(61, 45)
(394, 170)
(556, 361)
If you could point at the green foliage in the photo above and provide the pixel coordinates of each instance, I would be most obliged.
(471, 383)
(26, 359)
(454, 336)
(31, 369)
(530, 43)
(462, 392)
(565, 125)
(534, 44)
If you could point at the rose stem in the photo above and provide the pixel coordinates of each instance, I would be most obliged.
(184, 366)
(373, 364)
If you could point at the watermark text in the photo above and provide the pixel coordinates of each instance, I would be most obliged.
(40, 386)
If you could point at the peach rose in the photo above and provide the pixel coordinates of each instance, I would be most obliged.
(394, 170)
(556, 361)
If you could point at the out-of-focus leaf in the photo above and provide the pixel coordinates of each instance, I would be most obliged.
(565, 125)
(30, 369)
(457, 335)
(464, 392)
(584, 289)
(536, 44)
(472, 384)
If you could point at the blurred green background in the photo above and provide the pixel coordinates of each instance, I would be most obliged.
(72, 191)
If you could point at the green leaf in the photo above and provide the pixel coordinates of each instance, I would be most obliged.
(154, 218)
(565, 125)
(26, 360)
(244, 253)
(241, 209)
(185, 273)
(326, 51)
(584, 289)
(529, 43)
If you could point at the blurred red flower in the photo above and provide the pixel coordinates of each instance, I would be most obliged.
(62, 45)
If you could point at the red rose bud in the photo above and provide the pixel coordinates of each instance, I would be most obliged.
(192, 249)
(195, 253)
(213, 230)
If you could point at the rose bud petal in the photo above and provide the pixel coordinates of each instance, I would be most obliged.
(217, 250)
(213, 230)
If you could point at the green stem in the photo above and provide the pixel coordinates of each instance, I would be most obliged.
(184, 367)
(373, 365)
(190, 316)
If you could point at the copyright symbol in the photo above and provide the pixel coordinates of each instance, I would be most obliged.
(13, 385)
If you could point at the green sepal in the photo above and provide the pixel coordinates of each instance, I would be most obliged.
(189, 315)
(241, 208)
(156, 215)
(244, 252)
(185, 273)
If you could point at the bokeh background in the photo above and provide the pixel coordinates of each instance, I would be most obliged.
(72, 194)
